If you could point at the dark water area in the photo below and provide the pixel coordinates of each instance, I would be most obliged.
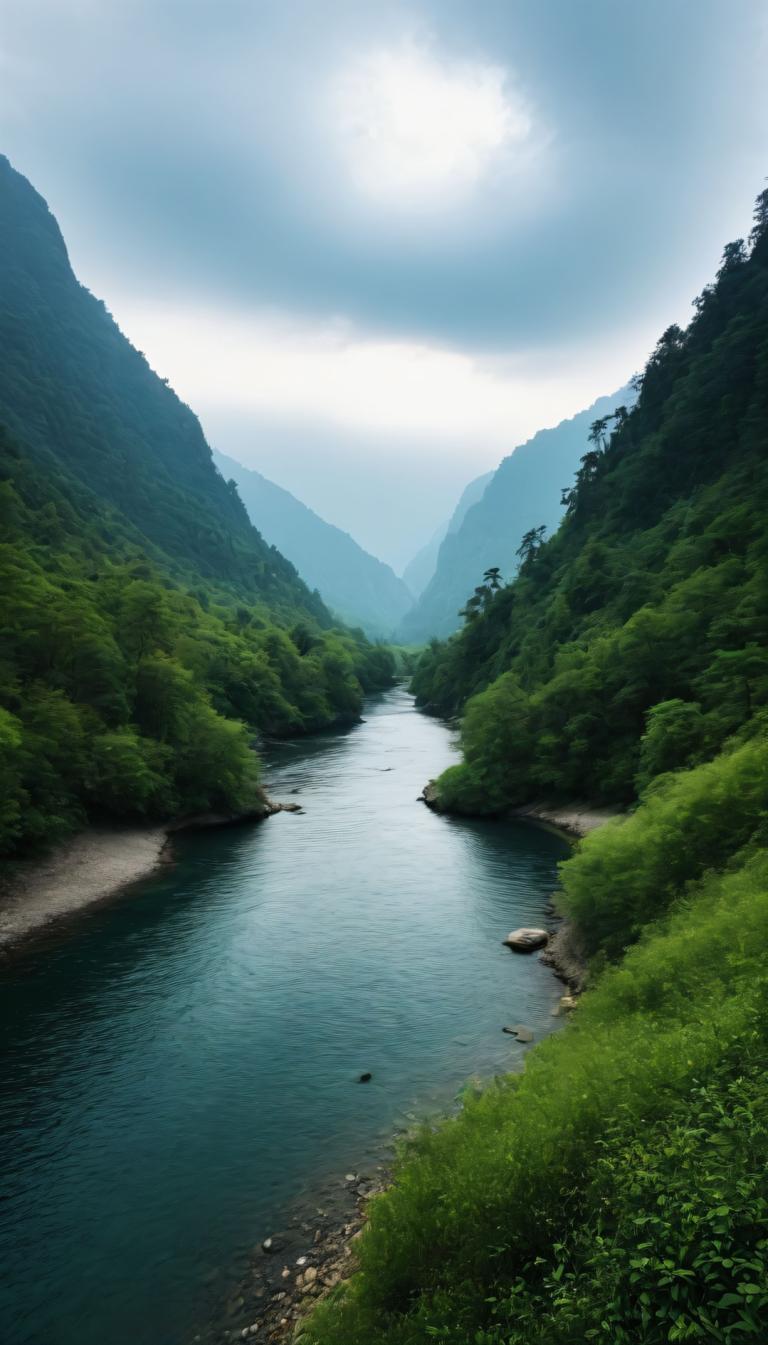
(180, 1065)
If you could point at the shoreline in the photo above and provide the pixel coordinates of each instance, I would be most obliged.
(90, 867)
(283, 1299)
(281, 1290)
(576, 819)
(95, 865)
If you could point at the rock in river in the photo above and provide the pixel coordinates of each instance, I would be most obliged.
(522, 1033)
(526, 940)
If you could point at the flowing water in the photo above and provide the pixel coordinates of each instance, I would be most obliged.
(180, 1065)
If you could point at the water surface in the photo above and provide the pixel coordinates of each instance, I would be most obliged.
(180, 1065)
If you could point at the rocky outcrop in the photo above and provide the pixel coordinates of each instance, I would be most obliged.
(430, 796)
(565, 954)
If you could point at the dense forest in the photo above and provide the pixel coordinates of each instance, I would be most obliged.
(616, 1191)
(148, 631)
(633, 642)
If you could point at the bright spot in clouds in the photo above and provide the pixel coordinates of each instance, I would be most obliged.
(413, 127)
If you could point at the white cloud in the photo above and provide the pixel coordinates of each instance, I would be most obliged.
(330, 375)
(412, 127)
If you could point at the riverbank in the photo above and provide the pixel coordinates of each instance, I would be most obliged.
(288, 1290)
(575, 818)
(96, 864)
(89, 867)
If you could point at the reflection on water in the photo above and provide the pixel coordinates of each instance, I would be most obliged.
(181, 1064)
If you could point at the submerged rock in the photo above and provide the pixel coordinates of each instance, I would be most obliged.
(526, 940)
(522, 1033)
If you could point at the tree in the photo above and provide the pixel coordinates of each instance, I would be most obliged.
(530, 545)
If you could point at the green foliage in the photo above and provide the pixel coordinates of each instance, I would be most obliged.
(72, 387)
(627, 874)
(638, 634)
(617, 1190)
(127, 692)
(147, 631)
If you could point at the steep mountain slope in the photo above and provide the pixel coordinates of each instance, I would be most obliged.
(615, 1191)
(522, 493)
(362, 590)
(635, 640)
(72, 384)
(420, 570)
(146, 629)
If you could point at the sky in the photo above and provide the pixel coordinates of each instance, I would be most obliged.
(377, 245)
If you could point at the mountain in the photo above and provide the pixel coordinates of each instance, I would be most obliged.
(613, 1188)
(362, 590)
(73, 385)
(147, 630)
(634, 641)
(522, 493)
(420, 570)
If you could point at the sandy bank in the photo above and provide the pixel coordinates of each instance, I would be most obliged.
(88, 867)
(576, 818)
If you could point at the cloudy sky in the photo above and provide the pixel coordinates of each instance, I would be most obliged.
(377, 244)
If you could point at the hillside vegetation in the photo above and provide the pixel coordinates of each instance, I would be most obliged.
(634, 641)
(523, 492)
(147, 631)
(617, 1191)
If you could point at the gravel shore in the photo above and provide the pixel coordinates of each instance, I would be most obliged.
(87, 868)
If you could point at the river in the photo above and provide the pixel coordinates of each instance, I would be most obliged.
(180, 1066)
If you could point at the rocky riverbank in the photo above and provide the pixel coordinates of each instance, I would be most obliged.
(96, 864)
(293, 1269)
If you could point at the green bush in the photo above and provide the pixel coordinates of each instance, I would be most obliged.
(629, 872)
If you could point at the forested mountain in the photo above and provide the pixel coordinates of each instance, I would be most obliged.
(360, 589)
(634, 640)
(146, 628)
(524, 492)
(616, 1190)
(420, 570)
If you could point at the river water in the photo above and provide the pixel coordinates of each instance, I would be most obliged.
(180, 1066)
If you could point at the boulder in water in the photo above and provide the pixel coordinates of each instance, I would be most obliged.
(526, 940)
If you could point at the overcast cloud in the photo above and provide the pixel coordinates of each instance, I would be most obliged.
(389, 236)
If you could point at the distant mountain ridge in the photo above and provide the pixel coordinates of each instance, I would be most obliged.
(522, 493)
(420, 570)
(358, 587)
